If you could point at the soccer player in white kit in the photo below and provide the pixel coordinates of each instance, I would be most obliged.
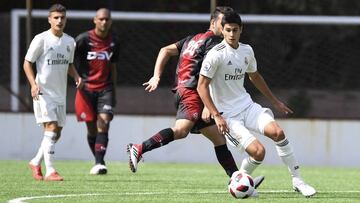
(221, 87)
(53, 52)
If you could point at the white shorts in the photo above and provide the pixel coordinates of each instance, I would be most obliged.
(252, 119)
(45, 110)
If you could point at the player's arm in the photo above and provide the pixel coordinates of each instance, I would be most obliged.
(29, 72)
(74, 74)
(163, 57)
(259, 82)
(204, 92)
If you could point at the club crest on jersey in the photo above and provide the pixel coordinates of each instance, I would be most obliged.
(68, 48)
(100, 55)
(207, 67)
(246, 61)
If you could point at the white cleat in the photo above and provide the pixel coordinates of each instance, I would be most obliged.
(258, 180)
(255, 194)
(135, 155)
(305, 189)
(98, 169)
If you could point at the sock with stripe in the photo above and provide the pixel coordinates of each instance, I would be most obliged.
(249, 164)
(287, 156)
(101, 147)
(159, 139)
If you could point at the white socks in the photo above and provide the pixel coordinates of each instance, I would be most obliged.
(286, 154)
(248, 165)
(36, 161)
(48, 147)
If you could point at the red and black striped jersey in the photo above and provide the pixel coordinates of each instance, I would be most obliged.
(193, 50)
(93, 59)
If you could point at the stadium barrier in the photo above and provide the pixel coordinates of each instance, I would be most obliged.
(316, 142)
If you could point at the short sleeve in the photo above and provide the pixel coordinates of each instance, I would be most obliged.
(252, 67)
(72, 52)
(179, 44)
(35, 49)
(210, 63)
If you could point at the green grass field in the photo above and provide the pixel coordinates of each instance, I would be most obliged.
(166, 182)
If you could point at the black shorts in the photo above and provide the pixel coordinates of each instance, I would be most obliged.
(102, 101)
(189, 106)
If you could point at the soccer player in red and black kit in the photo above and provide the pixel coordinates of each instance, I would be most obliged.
(190, 115)
(96, 54)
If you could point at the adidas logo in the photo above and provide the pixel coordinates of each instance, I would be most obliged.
(229, 63)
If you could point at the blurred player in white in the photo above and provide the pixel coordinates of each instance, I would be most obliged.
(221, 87)
(53, 52)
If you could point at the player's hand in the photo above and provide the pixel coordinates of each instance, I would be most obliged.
(221, 124)
(79, 83)
(283, 108)
(35, 92)
(152, 84)
(205, 115)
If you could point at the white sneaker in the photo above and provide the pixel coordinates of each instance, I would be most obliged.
(98, 169)
(305, 189)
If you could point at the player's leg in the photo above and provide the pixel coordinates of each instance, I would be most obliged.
(91, 135)
(185, 120)
(261, 120)
(163, 137)
(241, 138)
(223, 155)
(51, 131)
(105, 105)
(101, 143)
(285, 151)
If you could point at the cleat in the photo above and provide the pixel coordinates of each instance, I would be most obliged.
(98, 169)
(303, 188)
(36, 172)
(135, 152)
(54, 176)
(255, 194)
(258, 180)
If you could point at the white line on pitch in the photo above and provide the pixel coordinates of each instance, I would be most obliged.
(24, 199)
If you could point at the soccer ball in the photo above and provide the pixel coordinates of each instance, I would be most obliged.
(241, 185)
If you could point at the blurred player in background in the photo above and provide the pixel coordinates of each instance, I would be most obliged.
(191, 51)
(222, 73)
(97, 52)
(53, 52)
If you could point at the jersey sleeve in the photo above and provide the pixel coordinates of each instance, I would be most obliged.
(79, 50)
(179, 44)
(252, 67)
(35, 50)
(211, 42)
(72, 50)
(210, 64)
(116, 53)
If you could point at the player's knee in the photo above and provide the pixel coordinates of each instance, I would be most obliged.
(276, 134)
(259, 153)
(180, 133)
(103, 125)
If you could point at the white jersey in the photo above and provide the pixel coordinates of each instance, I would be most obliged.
(226, 67)
(52, 55)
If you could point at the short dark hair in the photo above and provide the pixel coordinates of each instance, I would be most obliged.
(231, 17)
(220, 9)
(57, 8)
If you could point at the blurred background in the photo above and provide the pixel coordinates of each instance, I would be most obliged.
(312, 65)
(314, 68)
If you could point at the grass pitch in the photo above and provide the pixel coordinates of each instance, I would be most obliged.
(169, 182)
